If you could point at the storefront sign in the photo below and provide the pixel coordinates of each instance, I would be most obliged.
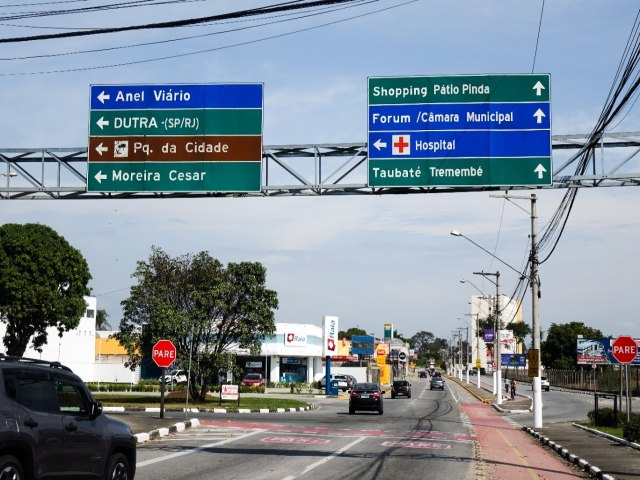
(290, 361)
(330, 325)
(229, 392)
(292, 339)
(253, 365)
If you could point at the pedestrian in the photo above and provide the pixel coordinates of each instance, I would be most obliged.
(513, 388)
(506, 385)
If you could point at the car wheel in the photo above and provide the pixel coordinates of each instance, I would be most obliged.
(118, 468)
(10, 468)
(393, 396)
(380, 411)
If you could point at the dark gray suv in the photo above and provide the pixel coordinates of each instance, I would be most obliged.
(51, 427)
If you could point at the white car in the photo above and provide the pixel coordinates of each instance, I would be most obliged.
(174, 377)
(343, 381)
(544, 384)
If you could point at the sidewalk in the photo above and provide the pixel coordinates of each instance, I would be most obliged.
(593, 452)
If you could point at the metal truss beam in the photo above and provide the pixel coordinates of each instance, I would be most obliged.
(313, 170)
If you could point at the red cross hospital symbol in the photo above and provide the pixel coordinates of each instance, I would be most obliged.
(400, 144)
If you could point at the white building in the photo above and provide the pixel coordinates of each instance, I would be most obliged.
(76, 349)
(481, 308)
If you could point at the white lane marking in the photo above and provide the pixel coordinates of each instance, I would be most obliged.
(194, 450)
(324, 460)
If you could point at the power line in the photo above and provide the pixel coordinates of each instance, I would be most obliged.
(179, 23)
(208, 50)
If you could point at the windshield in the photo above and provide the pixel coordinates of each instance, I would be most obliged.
(253, 376)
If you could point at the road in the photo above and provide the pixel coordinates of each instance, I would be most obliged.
(426, 433)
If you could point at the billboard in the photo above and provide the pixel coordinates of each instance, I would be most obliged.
(592, 350)
(388, 331)
(513, 359)
(362, 345)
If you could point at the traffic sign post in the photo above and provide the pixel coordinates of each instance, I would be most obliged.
(163, 354)
(624, 349)
(175, 138)
(459, 131)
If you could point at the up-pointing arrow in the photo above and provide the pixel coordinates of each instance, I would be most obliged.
(540, 170)
(101, 149)
(103, 96)
(539, 115)
(538, 87)
(100, 176)
(102, 123)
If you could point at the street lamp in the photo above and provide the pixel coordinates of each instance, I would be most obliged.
(534, 281)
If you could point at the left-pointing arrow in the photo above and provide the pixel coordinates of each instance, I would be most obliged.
(101, 149)
(103, 96)
(100, 176)
(102, 122)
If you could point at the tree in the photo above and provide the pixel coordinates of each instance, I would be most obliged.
(43, 280)
(207, 310)
(520, 330)
(350, 333)
(101, 320)
(559, 349)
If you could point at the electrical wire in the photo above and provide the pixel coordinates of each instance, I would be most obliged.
(177, 23)
(208, 50)
(288, 18)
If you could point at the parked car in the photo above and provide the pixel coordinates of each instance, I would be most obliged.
(437, 382)
(366, 396)
(253, 380)
(174, 377)
(58, 427)
(343, 381)
(400, 387)
(544, 384)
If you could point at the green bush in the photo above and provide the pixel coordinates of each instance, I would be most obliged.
(631, 431)
(606, 417)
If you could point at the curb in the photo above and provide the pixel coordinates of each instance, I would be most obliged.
(163, 432)
(311, 406)
(564, 453)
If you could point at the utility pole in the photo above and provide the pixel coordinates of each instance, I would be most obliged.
(496, 335)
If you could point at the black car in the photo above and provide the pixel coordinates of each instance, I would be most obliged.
(365, 396)
(422, 374)
(437, 383)
(400, 387)
(53, 428)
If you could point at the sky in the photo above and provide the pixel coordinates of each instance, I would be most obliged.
(368, 259)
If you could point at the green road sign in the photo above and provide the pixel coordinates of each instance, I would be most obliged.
(174, 177)
(175, 138)
(464, 130)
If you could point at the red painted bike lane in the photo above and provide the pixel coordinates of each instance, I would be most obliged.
(508, 453)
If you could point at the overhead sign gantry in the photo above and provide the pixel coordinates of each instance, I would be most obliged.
(175, 138)
(459, 131)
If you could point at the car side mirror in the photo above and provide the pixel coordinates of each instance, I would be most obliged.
(95, 409)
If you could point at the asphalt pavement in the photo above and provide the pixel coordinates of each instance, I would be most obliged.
(599, 455)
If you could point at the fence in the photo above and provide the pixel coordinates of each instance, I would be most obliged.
(601, 379)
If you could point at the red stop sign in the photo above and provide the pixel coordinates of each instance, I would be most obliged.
(163, 353)
(624, 349)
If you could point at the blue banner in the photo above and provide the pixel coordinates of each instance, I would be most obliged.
(172, 96)
(460, 144)
(513, 359)
(362, 345)
(465, 116)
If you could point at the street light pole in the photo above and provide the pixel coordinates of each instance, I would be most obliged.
(496, 334)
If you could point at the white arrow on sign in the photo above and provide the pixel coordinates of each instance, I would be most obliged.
(540, 170)
(539, 115)
(103, 96)
(101, 149)
(380, 144)
(102, 122)
(538, 87)
(100, 176)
